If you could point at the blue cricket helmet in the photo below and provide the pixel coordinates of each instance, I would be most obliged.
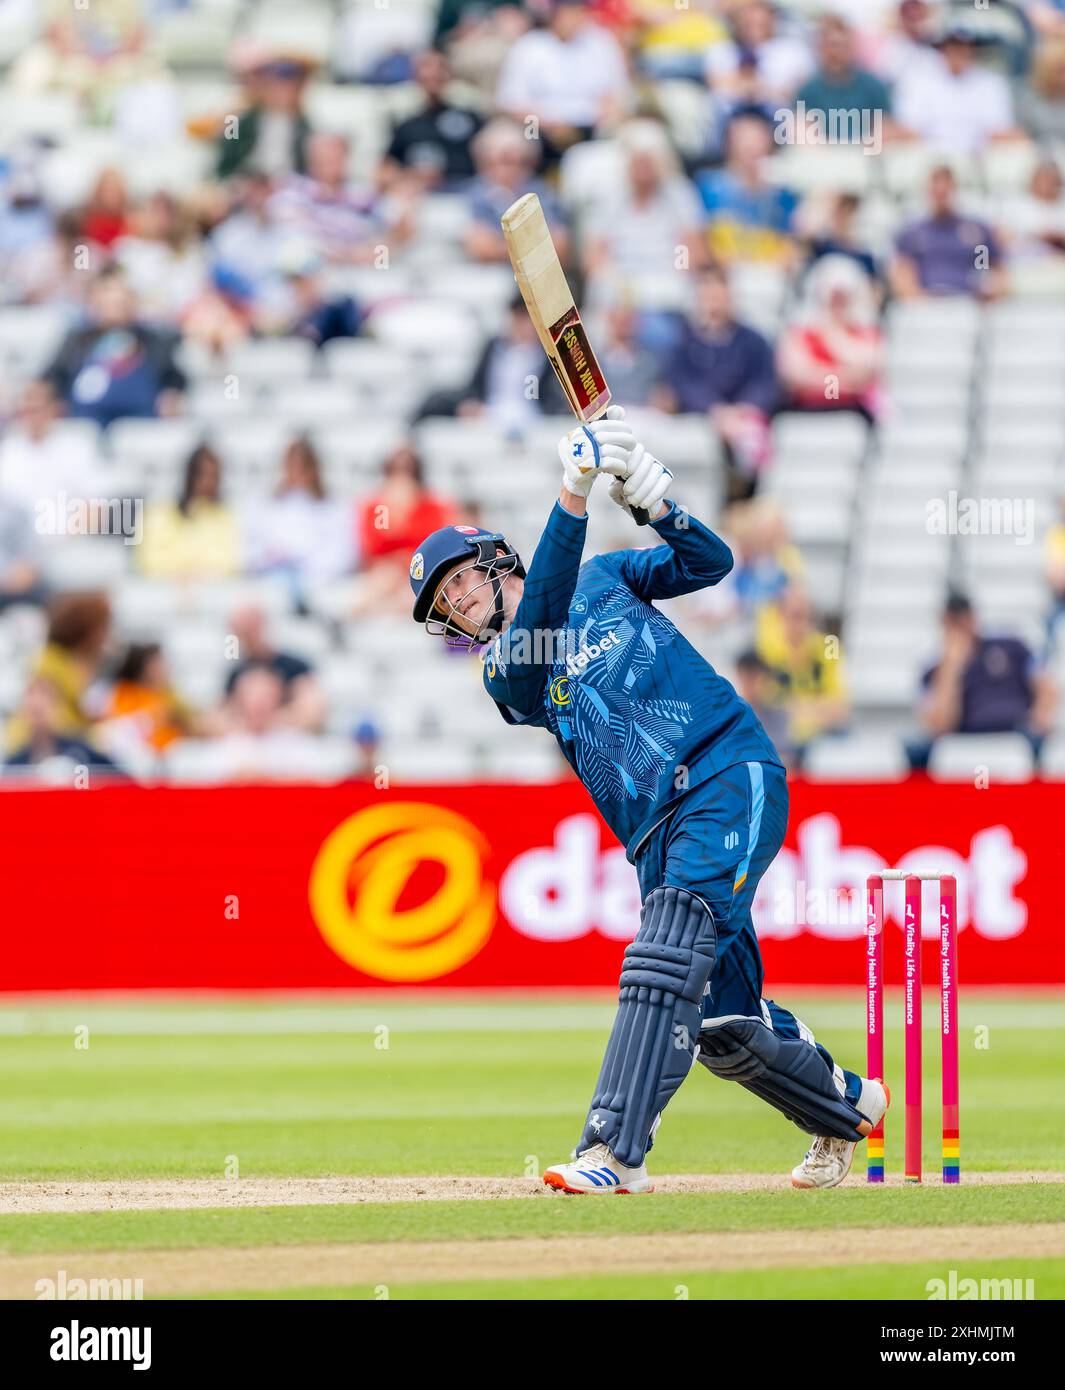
(450, 546)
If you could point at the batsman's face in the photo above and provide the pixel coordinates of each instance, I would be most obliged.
(467, 597)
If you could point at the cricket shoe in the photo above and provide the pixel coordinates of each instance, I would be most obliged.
(597, 1170)
(828, 1160)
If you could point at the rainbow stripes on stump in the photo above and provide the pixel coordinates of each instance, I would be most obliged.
(951, 1156)
(874, 1157)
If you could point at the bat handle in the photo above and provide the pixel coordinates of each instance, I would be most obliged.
(640, 515)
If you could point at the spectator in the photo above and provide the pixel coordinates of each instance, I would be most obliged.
(300, 533)
(195, 537)
(390, 526)
(102, 54)
(51, 270)
(756, 684)
(271, 133)
(983, 685)
(724, 369)
(26, 223)
(1033, 226)
(744, 101)
(162, 259)
(946, 253)
(747, 217)
(79, 625)
(143, 708)
(345, 223)
(478, 47)
(245, 249)
(778, 62)
(673, 43)
(807, 668)
(827, 226)
(832, 358)
(246, 244)
(1055, 568)
(909, 44)
(40, 462)
(105, 217)
(366, 738)
(39, 735)
(20, 573)
(633, 369)
(569, 76)
(304, 307)
(116, 365)
(511, 383)
(1048, 17)
(641, 240)
(257, 739)
(840, 91)
(505, 161)
(255, 701)
(1041, 99)
(456, 18)
(433, 145)
(955, 105)
(767, 562)
(302, 703)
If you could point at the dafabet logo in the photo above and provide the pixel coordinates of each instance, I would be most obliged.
(398, 891)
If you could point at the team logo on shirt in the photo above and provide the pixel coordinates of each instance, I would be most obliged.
(417, 566)
(493, 661)
(559, 689)
(579, 604)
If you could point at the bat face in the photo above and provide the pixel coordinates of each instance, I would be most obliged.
(575, 363)
(551, 308)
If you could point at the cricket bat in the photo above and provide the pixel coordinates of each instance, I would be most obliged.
(554, 314)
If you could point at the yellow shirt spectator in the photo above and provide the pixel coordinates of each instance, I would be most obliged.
(807, 666)
(78, 628)
(202, 542)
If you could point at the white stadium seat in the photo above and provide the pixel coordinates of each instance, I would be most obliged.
(969, 757)
(856, 758)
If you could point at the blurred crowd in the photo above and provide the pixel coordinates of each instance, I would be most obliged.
(659, 139)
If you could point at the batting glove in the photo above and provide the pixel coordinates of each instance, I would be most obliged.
(645, 484)
(604, 446)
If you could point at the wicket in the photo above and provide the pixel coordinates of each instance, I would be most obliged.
(948, 1017)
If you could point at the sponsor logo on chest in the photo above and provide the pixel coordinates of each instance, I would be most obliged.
(589, 651)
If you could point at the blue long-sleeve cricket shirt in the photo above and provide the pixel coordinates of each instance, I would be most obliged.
(638, 713)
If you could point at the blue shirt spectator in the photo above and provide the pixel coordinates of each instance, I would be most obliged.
(718, 361)
(747, 218)
(115, 366)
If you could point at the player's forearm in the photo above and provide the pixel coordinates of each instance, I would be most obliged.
(700, 555)
(573, 502)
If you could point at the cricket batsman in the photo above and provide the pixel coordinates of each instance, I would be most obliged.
(685, 776)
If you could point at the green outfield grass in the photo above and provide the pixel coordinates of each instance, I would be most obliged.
(449, 1094)
(383, 1085)
(863, 1282)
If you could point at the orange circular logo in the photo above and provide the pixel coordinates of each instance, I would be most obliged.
(366, 866)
